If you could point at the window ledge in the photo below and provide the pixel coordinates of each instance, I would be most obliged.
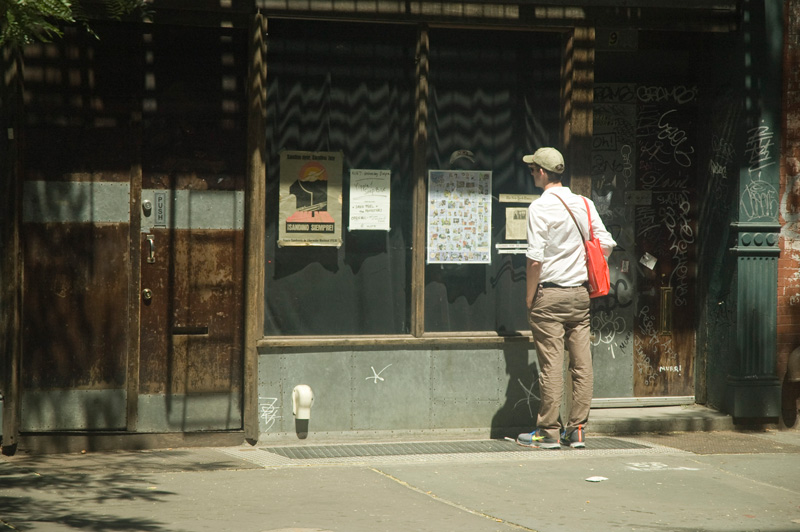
(428, 339)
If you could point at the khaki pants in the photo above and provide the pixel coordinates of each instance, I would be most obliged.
(561, 316)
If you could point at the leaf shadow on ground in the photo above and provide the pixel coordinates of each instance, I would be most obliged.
(84, 492)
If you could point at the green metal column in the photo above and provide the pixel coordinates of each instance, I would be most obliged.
(753, 389)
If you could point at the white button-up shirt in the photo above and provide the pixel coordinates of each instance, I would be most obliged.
(554, 240)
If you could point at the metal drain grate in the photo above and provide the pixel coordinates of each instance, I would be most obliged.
(425, 448)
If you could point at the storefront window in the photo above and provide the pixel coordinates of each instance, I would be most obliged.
(349, 90)
(495, 95)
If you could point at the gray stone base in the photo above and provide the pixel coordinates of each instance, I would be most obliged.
(757, 398)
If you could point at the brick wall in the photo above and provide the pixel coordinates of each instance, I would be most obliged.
(789, 262)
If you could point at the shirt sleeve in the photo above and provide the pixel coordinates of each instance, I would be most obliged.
(601, 233)
(537, 234)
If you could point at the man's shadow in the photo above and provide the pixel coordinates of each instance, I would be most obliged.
(518, 414)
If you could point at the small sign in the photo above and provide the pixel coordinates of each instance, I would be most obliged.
(160, 200)
(518, 198)
(511, 249)
(516, 223)
(370, 199)
(616, 39)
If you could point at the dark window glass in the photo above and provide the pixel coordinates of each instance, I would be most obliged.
(496, 94)
(349, 88)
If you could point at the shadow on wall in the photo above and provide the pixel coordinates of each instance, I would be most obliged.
(518, 413)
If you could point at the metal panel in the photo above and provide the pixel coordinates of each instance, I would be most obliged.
(75, 202)
(466, 387)
(194, 209)
(47, 410)
(187, 413)
(453, 375)
(613, 167)
(382, 381)
(398, 389)
(329, 376)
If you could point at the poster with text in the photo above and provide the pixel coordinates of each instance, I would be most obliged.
(310, 207)
(459, 217)
(370, 200)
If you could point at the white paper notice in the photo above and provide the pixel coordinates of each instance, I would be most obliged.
(370, 200)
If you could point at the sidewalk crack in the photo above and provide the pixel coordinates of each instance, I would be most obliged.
(453, 504)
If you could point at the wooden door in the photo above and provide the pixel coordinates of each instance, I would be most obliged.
(192, 238)
(76, 162)
(665, 228)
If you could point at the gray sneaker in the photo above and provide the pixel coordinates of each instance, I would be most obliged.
(537, 439)
(575, 439)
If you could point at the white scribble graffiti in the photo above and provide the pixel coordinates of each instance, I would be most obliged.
(759, 149)
(529, 393)
(376, 376)
(606, 325)
(268, 412)
(722, 158)
(657, 466)
(650, 341)
(760, 198)
(675, 213)
(723, 150)
(679, 94)
(627, 168)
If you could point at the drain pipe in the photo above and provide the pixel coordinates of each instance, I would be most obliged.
(793, 366)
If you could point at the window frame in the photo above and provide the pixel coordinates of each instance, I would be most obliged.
(577, 79)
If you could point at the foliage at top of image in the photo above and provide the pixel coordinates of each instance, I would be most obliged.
(24, 22)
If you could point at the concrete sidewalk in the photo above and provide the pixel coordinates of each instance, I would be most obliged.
(710, 481)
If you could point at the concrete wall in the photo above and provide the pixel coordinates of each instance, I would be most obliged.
(401, 389)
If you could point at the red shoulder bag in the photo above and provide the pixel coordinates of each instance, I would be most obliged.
(596, 265)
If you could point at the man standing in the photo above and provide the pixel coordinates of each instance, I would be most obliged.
(557, 300)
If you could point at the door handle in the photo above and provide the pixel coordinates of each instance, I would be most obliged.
(151, 256)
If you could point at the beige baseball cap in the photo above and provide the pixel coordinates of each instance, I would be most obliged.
(548, 158)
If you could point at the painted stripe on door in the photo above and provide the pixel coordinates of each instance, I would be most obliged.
(193, 209)
(75, 202)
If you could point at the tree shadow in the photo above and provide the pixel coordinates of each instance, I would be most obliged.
(84, 491)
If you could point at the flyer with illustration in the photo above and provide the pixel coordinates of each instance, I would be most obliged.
(310, 207)
(459, 217)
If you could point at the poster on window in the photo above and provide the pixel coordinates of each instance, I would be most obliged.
(370, 200)
(459, 216)
(310, 207)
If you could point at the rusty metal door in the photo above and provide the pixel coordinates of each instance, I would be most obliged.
(192, 238)
(75, 233)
